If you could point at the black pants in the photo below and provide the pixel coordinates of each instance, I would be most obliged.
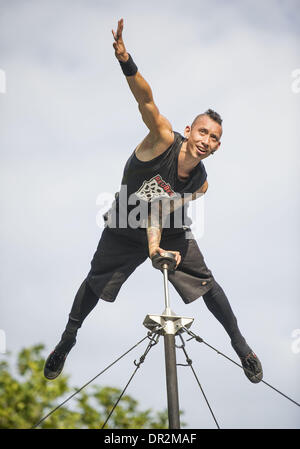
(119, 252)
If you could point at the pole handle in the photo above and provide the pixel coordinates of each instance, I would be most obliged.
(167, 261)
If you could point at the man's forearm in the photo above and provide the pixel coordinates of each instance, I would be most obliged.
(159, 213)
(138, 85)
(154, 228)
(171, 205)
(154, 237)
(140, 88)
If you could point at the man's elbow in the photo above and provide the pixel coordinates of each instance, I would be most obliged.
(201, 191)
(204, 187)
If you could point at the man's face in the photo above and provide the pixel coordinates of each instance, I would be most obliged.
(204, 137)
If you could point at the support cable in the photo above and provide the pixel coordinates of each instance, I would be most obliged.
(153, 341)
(200, 340)
(189, 363)
(85, 385)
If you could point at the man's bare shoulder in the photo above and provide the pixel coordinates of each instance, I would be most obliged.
(154, 145)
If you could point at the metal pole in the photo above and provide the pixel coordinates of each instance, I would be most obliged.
(169, 325)
(172, 384)
(166, 288)
(170, 361)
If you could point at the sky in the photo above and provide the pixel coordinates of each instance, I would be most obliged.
(68, 124)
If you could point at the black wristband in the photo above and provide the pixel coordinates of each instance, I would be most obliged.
(128, 68)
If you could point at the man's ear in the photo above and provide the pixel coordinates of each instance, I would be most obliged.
(187, 131)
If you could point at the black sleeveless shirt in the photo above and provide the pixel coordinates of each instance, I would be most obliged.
(157, 178)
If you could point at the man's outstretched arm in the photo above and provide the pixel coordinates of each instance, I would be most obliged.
(157, 124)
(160, 128)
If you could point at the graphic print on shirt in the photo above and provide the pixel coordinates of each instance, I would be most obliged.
(156, 187)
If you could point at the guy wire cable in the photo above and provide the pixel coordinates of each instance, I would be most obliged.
(200, 340)
(153, 341)
(189, 363)
(90, 381)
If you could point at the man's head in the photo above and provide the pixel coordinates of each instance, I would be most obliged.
(204, 134)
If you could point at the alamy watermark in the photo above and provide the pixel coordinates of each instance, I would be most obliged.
(2, 82)
(295, 346)
(132, 211)
(295, 86)
(2, 342)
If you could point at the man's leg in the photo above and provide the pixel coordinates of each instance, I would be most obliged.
(84, 302)
(116, 257)
(192, 279)
(218, 304)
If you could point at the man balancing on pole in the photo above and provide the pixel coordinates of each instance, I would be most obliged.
(164, 166)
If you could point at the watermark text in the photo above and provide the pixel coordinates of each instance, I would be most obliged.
(130, 211)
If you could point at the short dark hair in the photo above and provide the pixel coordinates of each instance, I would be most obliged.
(212, 114)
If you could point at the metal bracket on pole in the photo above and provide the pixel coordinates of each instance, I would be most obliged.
(167, 324)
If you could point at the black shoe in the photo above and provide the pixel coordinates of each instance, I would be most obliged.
(252, 367)
(55, 362)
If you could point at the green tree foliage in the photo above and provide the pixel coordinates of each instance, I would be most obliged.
(27, 397)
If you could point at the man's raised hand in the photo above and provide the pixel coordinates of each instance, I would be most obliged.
(120, 50)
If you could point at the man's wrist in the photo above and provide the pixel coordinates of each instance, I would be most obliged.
(128, 67)
(123, 58)
(153, 249)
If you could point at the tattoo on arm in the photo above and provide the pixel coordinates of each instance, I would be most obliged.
(154, 237)
(171, 205)
(158, 215)
(154, 226)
